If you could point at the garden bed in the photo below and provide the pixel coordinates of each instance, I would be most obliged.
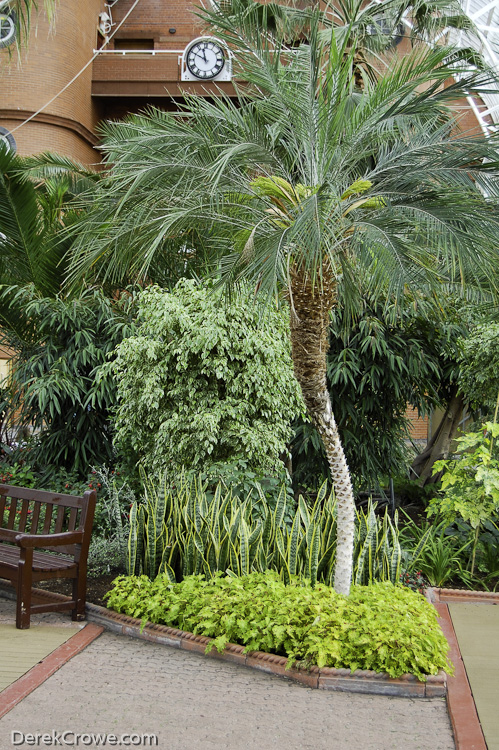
(96, 587)
(325, 678)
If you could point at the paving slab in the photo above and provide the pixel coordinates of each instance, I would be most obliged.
(122, 686)
(477, 630)
(20, 650)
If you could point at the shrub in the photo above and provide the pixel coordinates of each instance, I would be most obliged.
(17, 473)
(108, 549)
(205, 381)
(104, 556)
(243, 482)
(470, 483)
(382, 627)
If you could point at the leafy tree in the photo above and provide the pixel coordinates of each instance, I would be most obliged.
(203, 383)
(51, 387)
(447, 329)
(56, 344)
(479, 372)
(469, 379)
(317, 176)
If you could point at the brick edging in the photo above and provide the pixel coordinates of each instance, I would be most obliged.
(449, 595)
(325, 678)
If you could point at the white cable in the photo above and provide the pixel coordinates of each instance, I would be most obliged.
(106, 42)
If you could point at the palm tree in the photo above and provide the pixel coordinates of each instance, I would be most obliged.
(315, 179)
(35, 196)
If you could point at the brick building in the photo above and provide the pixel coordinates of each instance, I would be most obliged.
(143, 63)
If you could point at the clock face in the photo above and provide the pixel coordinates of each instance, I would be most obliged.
(7, 139)
(205, 59)
(7, 29)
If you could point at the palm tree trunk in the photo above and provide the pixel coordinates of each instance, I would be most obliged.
(311, 306)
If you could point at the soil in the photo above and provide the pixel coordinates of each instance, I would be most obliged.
(96, 587)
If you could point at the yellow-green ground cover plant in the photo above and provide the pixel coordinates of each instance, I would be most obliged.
(382, 627)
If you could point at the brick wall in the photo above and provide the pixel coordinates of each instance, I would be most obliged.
(52, 58)
(55, 55)
(168, 28)
(419, 425)
(152, 19)
(37, 137)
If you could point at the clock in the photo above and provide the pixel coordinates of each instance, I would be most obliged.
(381, 26)
(205, 59)
(7, 139)
(7, 27)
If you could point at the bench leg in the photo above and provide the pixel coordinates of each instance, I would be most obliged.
(79, 595)
(24, 581)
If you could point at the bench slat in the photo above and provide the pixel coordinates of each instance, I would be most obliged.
(24, 515)
(12, 514)
(3, 503)
(35, 517)
(52, 498)
(48, 519)
(9, 556)
(59, 523)
(73, 519)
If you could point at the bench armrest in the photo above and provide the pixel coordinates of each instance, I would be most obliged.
(49, 540)
(7, 535)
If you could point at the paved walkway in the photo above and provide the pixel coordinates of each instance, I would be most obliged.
(123, 686)
(477, 630)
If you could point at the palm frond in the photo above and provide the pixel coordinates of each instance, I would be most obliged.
(183, 192)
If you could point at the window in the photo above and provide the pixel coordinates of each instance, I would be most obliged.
(134, 45)
(382, 26)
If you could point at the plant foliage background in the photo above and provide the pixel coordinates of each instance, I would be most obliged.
(52, 387)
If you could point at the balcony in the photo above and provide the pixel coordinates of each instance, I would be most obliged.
(146, 73)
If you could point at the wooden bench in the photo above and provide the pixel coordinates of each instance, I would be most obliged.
(31, 519)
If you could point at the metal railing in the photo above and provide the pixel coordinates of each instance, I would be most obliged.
(151, 52)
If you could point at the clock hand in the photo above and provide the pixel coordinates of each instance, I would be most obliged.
(203, 56)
